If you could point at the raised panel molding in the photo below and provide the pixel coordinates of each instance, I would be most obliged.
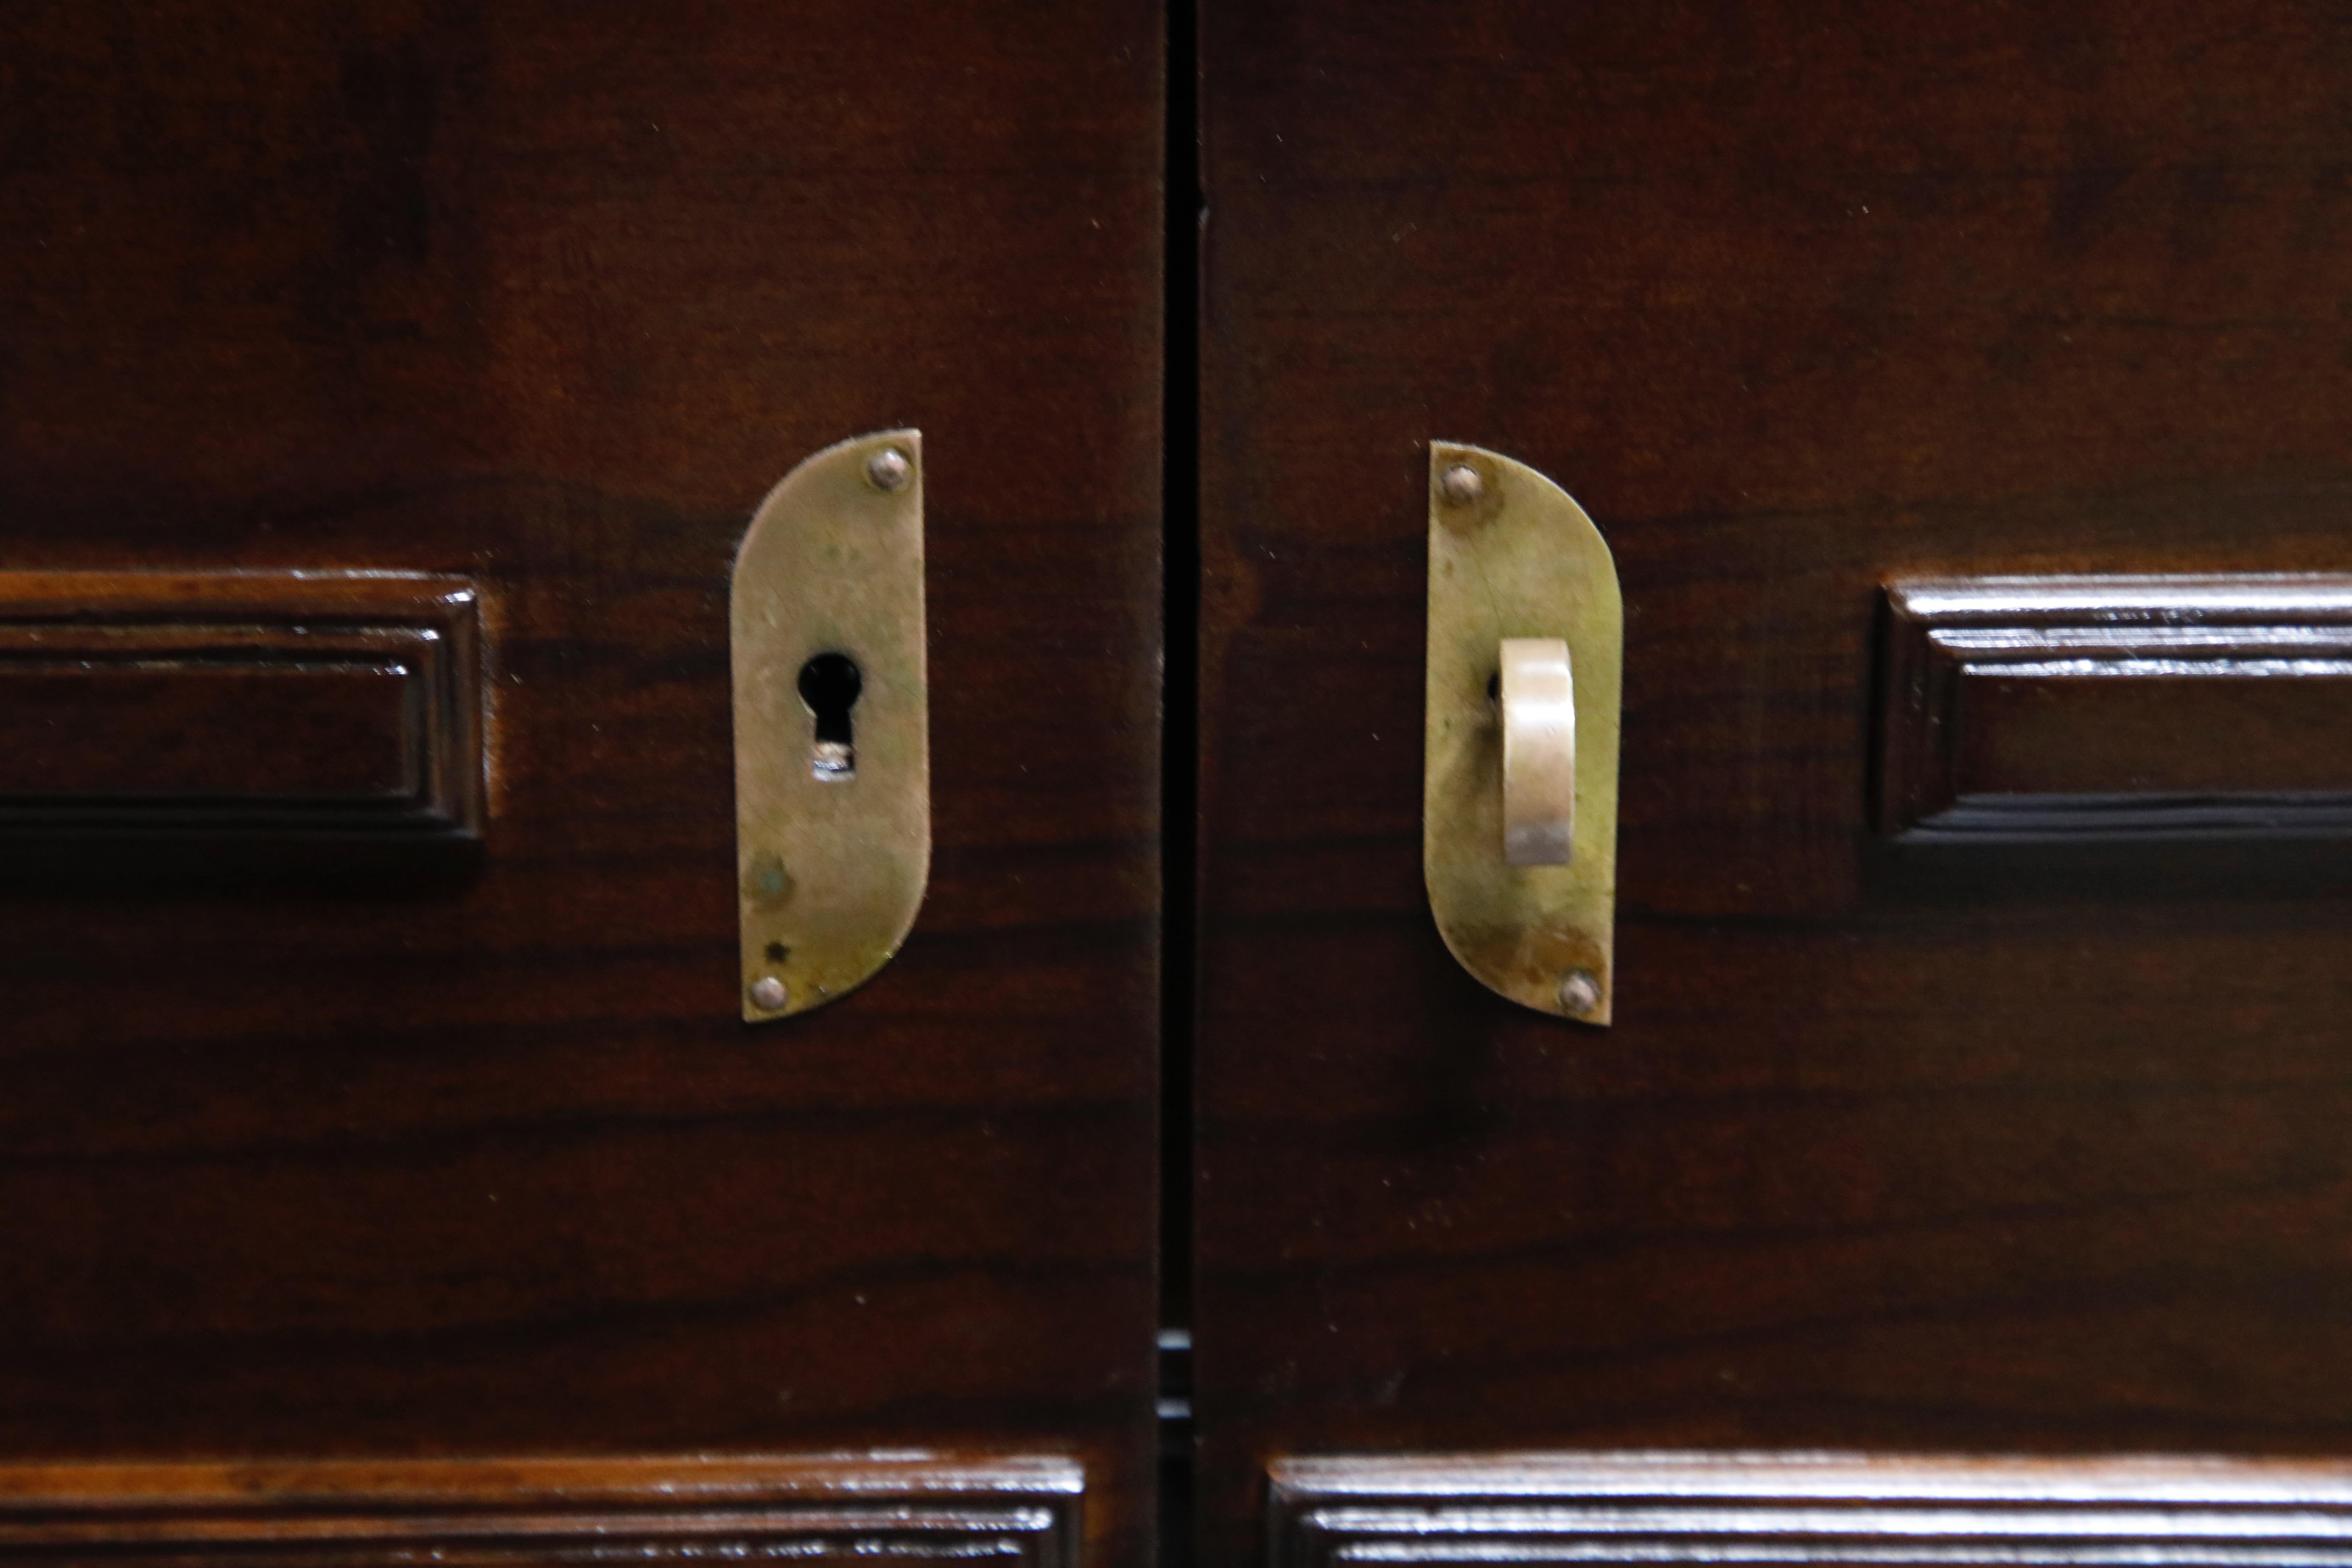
(2073, 708)
(263, 704)
(456, 1512)
(1663, 1508)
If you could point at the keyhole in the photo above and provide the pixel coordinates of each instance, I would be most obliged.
(829, 685)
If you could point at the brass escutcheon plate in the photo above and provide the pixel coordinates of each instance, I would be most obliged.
(1511, 556)
(833, 844)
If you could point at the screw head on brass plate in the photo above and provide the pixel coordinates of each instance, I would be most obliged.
(769, 993)
(888, 471)
(1579, 993)
(1461, 484)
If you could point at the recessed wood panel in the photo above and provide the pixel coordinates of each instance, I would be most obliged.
(203, 732)
(2102, 706)
(291, 703)
(2276, 743)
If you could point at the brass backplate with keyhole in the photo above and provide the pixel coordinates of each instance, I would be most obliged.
(833, 795)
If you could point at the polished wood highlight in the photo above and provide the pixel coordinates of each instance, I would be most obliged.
(546, 295)
(2042, 1152)
(2049, 708)
(1638, 1507)
(286, 702)
(830, 1509)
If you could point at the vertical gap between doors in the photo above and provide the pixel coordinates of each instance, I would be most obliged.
(1180, 766)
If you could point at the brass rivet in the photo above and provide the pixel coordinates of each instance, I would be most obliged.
(1579, 993)
(888, 469)
(1461, 484)
(769, 993)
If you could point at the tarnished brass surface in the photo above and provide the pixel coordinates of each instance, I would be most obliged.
(1512, 556)
(831, 867)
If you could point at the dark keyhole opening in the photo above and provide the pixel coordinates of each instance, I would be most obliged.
(829, 685)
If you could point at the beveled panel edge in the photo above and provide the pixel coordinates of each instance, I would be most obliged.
(1935, 629)
(1021, 1508)
(1805, 1507)
(270, 617)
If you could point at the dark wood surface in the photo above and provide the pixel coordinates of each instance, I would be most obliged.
(333, 732)
(490, 1512)
(548, 295)
(1881, 1154)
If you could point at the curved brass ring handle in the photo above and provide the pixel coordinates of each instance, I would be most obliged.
(1537, 696)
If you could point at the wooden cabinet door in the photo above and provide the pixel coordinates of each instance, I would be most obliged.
(378, 1171)
(1919, 1147)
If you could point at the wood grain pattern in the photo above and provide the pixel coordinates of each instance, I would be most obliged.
(2060, 707)
(1803, 1508)
(1880, 1153)
(835, 1509)
(548, 295)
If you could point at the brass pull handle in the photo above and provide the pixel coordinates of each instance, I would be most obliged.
(1522, 759)
(1536, 691)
